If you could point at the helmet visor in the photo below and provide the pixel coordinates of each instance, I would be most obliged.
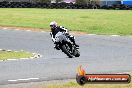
(51, 25)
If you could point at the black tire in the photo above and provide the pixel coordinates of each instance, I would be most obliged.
(78, 53)
(65, 51)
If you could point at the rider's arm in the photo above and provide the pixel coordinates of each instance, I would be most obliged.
(64, 29)
(53, 39)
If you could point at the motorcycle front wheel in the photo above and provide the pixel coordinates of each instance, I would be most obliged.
(77, 53)
(66, 50)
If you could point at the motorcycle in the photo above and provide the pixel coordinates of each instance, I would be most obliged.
(65, 44)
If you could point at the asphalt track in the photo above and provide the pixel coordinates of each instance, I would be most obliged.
(99, 54)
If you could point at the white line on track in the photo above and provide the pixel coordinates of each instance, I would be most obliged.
(28, 30)
(11, 59)
(23, 79)
(115, 35)
(17, 29)
(12, 80)
(91, 34)
(4, 28)
(24, 58)
(9, 50)
(27, 79)
(125, 72)
(43, 31)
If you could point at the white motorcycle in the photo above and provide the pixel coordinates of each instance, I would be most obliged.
(64, 44)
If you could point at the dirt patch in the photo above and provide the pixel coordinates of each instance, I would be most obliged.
(77, 33)
(39, 30)
(24, 28)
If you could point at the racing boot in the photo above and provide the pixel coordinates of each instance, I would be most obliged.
(56, 47)
(72, 38)
(75, 43)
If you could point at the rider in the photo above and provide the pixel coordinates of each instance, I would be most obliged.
(55, 29)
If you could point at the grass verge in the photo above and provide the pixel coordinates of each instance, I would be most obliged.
(89, 21)
(4, 55)
(73, 84)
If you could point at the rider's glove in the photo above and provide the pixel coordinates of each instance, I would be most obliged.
(67, 34)
(53, 40)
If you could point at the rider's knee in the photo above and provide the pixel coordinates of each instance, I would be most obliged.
(72, 37)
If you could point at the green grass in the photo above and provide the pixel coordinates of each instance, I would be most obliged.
(4, 55)
(73, 84)
(89, 21)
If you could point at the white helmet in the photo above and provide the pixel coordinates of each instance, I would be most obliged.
(53, 24)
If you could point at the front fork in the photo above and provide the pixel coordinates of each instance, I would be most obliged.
(71, 47)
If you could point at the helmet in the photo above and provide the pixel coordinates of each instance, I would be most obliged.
(53, 24)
